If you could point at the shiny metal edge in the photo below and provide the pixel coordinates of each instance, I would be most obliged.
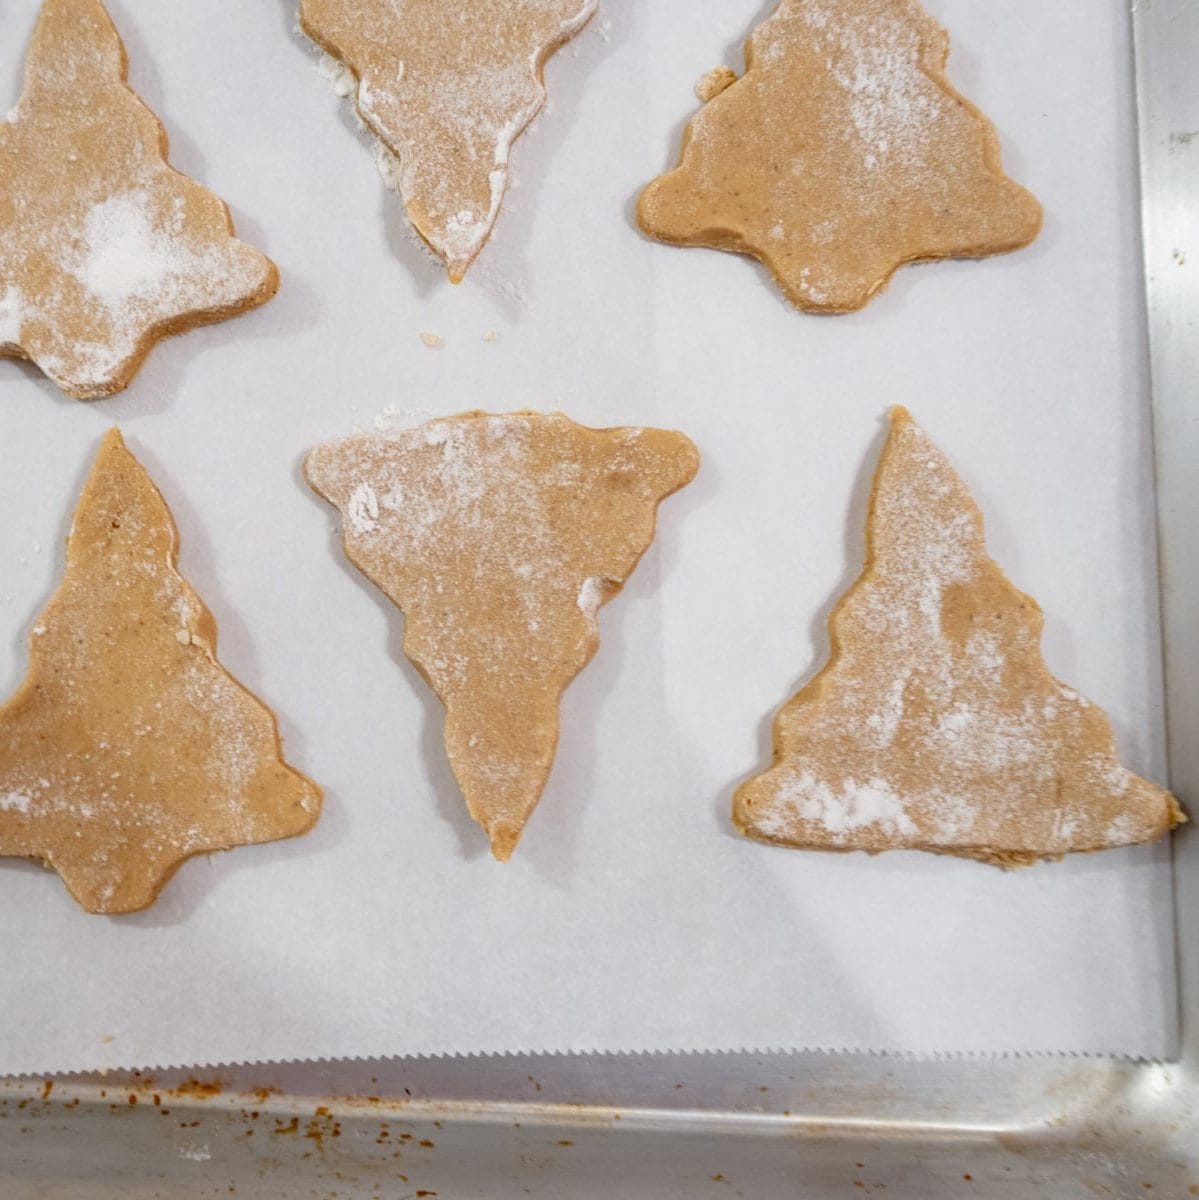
(718, 1124)
(1166, 39)
(820, 1125)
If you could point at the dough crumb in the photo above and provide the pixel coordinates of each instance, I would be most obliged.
(714, 82)
(433, 340)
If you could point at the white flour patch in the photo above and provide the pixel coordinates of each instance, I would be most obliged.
(340, 78)
(840, 811)
(362, 511)
(592, 593)
(12, 316)
(15, 802)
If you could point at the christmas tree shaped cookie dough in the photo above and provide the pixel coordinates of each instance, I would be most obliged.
(840, 155)
(935, 724)
(129, 748)
(447, 89)
(104, 248)
(499, 537)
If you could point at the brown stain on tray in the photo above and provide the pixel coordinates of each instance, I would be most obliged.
(199, 1089)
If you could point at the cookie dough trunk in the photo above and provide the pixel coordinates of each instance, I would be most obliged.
(502, 770)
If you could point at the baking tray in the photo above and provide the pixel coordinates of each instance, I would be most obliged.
(804, 1124)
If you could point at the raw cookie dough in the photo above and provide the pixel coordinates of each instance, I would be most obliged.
(447, 89)
(104, 248)
(499, 537)
(935, 724)
(841, 154)
(129, 748)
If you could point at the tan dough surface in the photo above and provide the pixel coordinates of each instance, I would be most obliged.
(499, 537)
(447, 89)
(129, 748)
(104, 248)
(841, 154)
(936, 724)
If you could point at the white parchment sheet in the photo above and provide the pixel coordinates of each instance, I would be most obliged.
(631, 917)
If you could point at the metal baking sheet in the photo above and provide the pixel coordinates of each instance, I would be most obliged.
(674, 1126)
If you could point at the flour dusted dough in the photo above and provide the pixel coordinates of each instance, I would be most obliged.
(104, 248)
(447, 88)
(500, 537)
(129, 748)
(935, 724)
(841, 154)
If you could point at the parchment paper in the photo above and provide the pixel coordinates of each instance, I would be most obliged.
(632, 917)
